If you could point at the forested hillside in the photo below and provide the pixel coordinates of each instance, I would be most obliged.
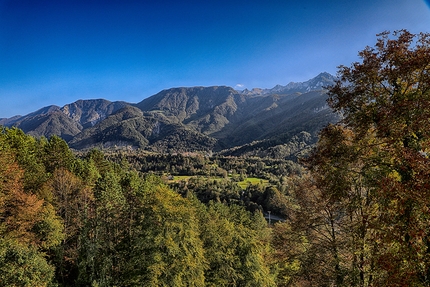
(86, 221)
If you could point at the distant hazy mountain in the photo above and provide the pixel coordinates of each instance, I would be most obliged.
(315, 84)
(278, 122)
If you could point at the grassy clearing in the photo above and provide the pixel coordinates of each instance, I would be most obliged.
(243, 184)
(253, 181)
(178, 178)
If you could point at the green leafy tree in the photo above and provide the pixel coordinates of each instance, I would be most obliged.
(236, 246)
(107, 228)
(23, 265)
(167, 250)
(57, 155)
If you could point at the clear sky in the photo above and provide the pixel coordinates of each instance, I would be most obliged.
(59, 51)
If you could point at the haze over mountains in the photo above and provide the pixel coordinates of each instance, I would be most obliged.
(277, 122)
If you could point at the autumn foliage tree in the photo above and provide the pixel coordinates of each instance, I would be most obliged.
(375, 164)
(28, 226)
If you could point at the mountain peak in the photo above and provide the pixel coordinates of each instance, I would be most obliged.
(325, 77)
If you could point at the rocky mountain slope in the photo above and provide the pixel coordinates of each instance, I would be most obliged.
(276, 122)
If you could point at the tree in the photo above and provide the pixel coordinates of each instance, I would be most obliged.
(23, 265)
(100, 255)
(28, 227)
(166, 248)
(29, 154)
(235, 245)
(341, 215)
(57, 154)
(385, 104)
(71, 199)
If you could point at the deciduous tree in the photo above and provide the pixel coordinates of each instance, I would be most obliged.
(385, 99)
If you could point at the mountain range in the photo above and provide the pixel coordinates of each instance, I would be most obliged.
(278, 122)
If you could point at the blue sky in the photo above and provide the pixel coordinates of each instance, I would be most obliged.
(59, 51)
